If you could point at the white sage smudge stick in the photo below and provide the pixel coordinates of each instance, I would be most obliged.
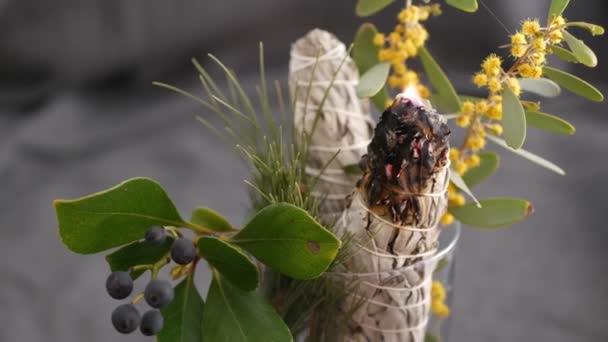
(344, 125)
(394, 213)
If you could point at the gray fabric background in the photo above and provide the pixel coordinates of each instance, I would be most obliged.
(77, 114)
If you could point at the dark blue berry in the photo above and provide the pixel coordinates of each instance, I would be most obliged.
(158, 293)
(156, 236)
(126, 318)
(183, 251)
(151, 323)
(119, 285)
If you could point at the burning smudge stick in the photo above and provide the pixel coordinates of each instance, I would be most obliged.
(394, 212)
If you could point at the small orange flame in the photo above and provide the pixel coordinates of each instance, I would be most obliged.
(412, 93)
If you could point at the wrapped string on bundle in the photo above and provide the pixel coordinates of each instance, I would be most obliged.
(337, 124)
(394, 214)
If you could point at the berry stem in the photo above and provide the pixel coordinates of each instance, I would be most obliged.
(158, 265)
(137, 298)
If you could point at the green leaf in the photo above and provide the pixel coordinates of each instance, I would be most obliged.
(289, 240)
(557, 8)
(564, 54)
(540, 86)
(574, 84)
(549, 123)
(184, 315)
(233, 264)
(365, 8)
(530, 156)
(514, 119)
(373, 80)
(494, 213)
(365, 55)
(464, 5)
(352, 169)
(235, 315)
(489, 162)
(582, 52)
(531, 106)
(428, 337)
(137, 253)
(209, 218)
(595, 30)
(440, 82)
(458, 182)
(115, 216)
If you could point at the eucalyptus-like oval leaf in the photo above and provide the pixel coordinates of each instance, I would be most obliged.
(557, 8)
(582, 52)
(528, 155)
(116, 216)
(550, 123)
(488, 163)
(373, 80)
(209, 218)
(445, 90)
(233, 264)
(288, 240)
(184, 315)
(365, 55)
(514, 119)
(564, 54)
(365, 8)
(234, 315)
(494, 212)
(458, 182)
(574, 84)
(464, 5)
(595, 30)
(137, 253)
(540, 86)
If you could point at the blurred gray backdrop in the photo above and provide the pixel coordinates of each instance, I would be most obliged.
(78, 114)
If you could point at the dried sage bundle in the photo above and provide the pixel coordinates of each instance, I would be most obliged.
(337, 124)
(394, 214)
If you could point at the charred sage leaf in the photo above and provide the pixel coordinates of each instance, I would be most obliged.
(228, 260)
(116, 216)
(288, 240)
(494, 213)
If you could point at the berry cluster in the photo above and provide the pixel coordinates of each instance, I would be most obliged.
(159, 293)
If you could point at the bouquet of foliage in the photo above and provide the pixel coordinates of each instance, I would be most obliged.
(347, 207)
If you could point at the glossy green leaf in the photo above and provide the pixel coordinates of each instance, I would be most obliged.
(352, 169)
(233, 264)
(115, 216)
(557, 8)
(528, 155)
(494, 213)
(366, 8)
(288, 240)
(464, 5)
(137, 253)
(594, 29)
(489, 162)
(365, 55)
(458, 182)
(540, 86)
(582, 52)
(184, 315)
(564, 54)
(373, 80)
(549, 123)
(514, 119)
(443, 87)
(234, 315)
(209, 218)
(574, 84)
